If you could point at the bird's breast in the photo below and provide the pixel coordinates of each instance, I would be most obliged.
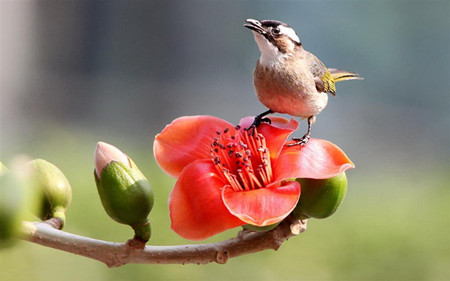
(289, 90)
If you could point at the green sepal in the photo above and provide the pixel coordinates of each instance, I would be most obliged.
(320, 198)
(54, 188)
(126, 196)
(260, 228)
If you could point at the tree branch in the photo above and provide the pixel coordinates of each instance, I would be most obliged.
(118, 254)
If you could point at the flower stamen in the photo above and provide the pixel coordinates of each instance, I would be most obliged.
(242, 159)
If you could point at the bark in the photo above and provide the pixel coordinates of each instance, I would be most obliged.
(118, 254)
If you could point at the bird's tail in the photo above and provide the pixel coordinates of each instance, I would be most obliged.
(341, 75)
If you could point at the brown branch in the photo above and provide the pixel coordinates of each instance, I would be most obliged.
(118, 254)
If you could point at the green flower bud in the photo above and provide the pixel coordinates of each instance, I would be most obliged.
(125, 193)
(13, 205)
(54, 189)
(320, 198)
(3, 169)
(260, 228)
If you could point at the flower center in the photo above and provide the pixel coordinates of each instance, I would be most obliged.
(242, 159)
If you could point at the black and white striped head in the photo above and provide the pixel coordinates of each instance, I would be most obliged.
(274, 38)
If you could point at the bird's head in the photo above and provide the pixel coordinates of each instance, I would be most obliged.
(275, 39)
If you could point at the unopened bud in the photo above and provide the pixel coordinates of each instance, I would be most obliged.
(125, 193)
(54, 188)
(320, 197)
(3, 169)
(13, 205)
(106, 153)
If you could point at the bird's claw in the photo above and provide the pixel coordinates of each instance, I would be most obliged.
(256, 123)
(300, 141)
(266, 120)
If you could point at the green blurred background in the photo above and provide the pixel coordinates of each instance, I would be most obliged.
(77, 72)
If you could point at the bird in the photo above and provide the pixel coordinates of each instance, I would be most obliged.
(287, 78)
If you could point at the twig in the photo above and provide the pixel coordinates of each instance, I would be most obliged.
(118, 254)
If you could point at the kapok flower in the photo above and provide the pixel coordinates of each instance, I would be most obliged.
(228, 177)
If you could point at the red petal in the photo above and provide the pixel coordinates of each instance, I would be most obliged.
(185, 140)
(263, 206)
(318, 159)
(196, 207)
(275, 133)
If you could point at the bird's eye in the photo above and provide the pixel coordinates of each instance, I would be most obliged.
(276, 30)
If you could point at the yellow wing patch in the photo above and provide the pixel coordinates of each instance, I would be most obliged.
(328, 83)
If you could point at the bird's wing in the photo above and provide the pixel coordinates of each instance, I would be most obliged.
(323, 78)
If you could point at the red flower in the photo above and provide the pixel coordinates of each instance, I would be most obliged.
(228, 178)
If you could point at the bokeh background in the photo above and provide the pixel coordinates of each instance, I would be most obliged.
(77, 72)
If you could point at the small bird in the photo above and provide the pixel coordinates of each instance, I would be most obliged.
(287, 78)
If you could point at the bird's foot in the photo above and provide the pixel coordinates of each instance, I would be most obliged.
(300, 141)
(258, 120)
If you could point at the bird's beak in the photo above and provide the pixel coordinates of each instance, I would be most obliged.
(256, 26)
